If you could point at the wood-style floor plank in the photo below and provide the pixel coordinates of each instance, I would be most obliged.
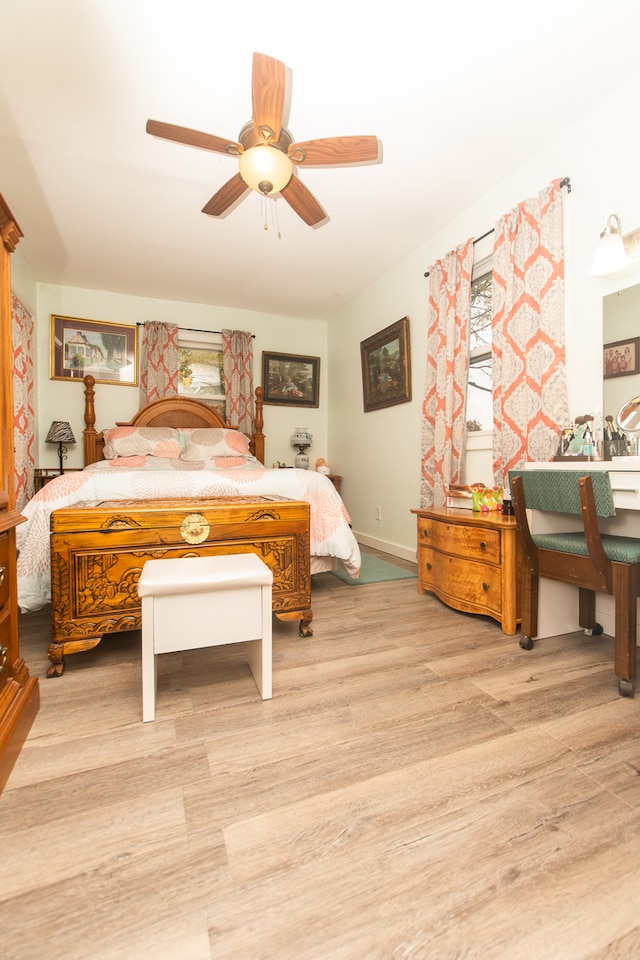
(418, 788)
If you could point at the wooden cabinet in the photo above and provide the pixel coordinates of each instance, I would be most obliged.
(469, 560)
(19, 693)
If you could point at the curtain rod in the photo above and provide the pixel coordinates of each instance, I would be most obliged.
(565, 182)
(195, 330)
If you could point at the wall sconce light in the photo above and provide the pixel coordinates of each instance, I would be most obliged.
(60, 432)
(615, 251)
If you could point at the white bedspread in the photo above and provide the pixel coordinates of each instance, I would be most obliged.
(331, 535)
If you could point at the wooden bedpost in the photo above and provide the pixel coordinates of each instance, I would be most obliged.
(89, 433)
(258, 436)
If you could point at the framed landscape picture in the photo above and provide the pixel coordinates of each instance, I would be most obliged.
(108, 351)
(386, 367)
(290, 380)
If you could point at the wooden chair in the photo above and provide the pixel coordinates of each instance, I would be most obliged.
(591, 561)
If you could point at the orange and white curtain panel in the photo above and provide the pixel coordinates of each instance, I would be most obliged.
(530, 403)
(445, 393)
(158, 361)
(23, 346)
(237, 360)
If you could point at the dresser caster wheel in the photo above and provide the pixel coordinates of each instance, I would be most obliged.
(625, 688)
(594, 631)
(526, 643)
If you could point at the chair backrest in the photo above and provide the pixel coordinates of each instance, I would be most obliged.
(558, 491)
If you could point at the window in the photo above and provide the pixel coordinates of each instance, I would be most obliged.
(479, 384)
(200, 369)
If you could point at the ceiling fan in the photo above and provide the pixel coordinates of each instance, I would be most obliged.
(267, 151)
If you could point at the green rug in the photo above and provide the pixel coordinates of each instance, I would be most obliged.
(375, 570)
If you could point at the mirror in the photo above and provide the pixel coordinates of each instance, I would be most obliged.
(629, 417)
(621, 345)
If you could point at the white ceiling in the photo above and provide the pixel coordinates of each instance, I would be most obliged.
(459, 94)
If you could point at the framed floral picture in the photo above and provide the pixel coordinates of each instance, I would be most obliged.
(386, 367)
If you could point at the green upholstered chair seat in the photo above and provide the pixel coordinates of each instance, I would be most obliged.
(617, 549)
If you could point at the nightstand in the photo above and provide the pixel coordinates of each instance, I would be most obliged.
(335, 480)
(42, 475)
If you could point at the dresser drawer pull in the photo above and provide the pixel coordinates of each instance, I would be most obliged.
(624, 489)
(425, 533)
(4, 652)
(483, 545)
(428, 566)
(485, 587)
(3, 571)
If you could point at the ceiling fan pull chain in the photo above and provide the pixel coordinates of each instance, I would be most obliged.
(275, 204)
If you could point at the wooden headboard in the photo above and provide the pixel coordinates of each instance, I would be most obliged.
(168, 412)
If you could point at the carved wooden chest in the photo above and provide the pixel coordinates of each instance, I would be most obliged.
(98, 550)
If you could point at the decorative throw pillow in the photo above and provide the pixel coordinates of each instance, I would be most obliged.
(142, 442)
(207, 444)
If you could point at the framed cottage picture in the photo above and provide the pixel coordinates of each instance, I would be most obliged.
(290, 380)
(386, 367)
(108, 351)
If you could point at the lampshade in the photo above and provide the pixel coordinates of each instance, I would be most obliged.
(611, 255)
(265, 169)
(60, 432)
(301, 437)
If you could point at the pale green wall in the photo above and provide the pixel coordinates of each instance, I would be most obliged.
(60, 400)
(378, 453)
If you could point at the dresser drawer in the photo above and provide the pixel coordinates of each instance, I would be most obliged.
(468, 542)
(464, 584)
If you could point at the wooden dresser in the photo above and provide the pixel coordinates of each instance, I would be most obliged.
(19, 693)
(469, 560)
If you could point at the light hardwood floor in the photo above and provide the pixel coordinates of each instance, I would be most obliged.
(419, 787)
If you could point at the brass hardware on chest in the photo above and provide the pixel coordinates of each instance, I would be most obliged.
(483, 545)
(194, 528)
(4, 652)
(3, 571)
(485, 587)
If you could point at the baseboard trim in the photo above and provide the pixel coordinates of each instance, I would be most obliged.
(393, 549)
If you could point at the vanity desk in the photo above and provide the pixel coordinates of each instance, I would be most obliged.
(558, 608)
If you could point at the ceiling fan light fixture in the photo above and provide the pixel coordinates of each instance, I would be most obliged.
(265, 169)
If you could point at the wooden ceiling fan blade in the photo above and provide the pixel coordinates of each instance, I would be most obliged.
(335, 150)
(268, 90)
(193, 138)
(303, 202)
(226, 196)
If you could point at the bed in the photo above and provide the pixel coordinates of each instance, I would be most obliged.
(175, 480)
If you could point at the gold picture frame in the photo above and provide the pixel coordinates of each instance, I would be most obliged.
(386, 367)
(108, 351)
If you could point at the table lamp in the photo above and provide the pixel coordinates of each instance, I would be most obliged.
(302, 440)
(60, 432)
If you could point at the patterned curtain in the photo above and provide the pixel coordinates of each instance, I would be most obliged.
(530, 405)
(445, 393)
(237, 358)
(158, 361)
(22, 341)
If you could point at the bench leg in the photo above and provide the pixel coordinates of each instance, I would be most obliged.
(148, 662)
(260, 653)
